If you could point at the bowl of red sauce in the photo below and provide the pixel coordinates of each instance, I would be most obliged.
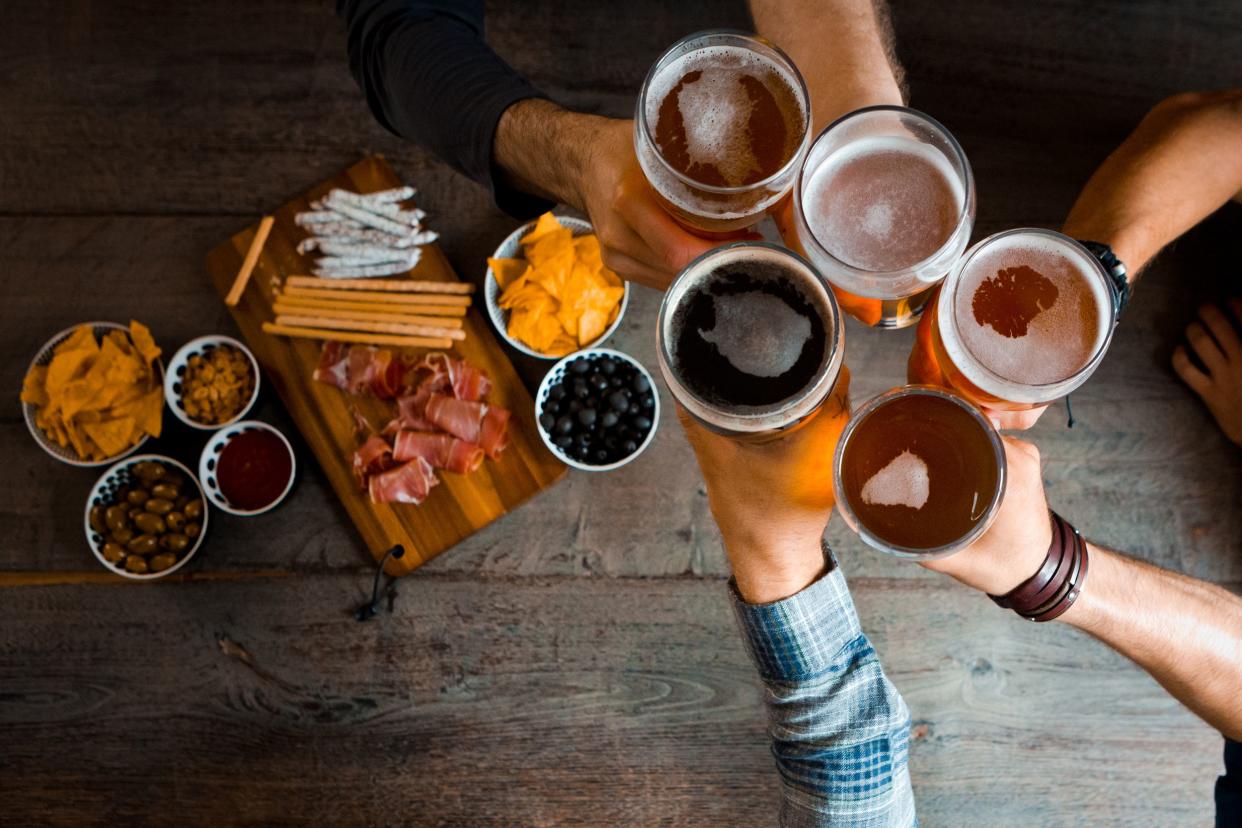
(247, 468)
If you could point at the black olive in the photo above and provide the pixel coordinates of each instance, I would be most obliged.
(587, 416)
(647, 402)
(564, 441)
(616, 380)
(564, 425)
(642, 423)
(574, 407)
(629, 447)
(599, 382)
(640, 384)
(556, 392)
(609, 419)
(547, 421)
(581, 390)
(619, 401)
(579, 366)
(607, 366)
(583, 439)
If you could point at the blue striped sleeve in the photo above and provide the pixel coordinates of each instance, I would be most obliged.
(840, 730)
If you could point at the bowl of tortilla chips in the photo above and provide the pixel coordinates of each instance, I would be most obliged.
(548, 291)
(95, 393)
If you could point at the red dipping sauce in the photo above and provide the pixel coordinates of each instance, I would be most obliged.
(254, 469)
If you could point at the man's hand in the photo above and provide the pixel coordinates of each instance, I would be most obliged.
(1015, 546)
(1216, 342)
(588, 162)
(772, 500)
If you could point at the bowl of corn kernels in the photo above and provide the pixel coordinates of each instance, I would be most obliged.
(212, 382)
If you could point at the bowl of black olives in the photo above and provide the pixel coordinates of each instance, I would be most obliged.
(146, 517)
(597, 409)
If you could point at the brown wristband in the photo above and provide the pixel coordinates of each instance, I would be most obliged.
(1054, 588)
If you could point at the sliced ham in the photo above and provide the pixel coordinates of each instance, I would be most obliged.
(411, 414)
(442, 451)
(371, 458)
(461, 418)
(408, 483)
(494, 431)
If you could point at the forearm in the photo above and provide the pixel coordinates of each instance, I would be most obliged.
(1186, 633)
(840, 730)
(844, 49)
(1183, 162)
(543, 149)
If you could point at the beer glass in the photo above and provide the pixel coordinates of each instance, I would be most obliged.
(750, 342)
(722, 124)
(883, 206)
(919, 472)
(1025, 317)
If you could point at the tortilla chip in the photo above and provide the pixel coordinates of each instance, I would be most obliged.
(507, 271)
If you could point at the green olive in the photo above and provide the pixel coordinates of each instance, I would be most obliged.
(113, 553)
(192, 530)
(175, 521)
(158, 563)
(136, 564)
(116, 517)
(138, 496)
(97, 521)
(150, 524)
(181, 501)
(158, 506)
(143, 544)
(122, 535)
(174, 542)
(148, 470)
(194, 509)
(165, 491)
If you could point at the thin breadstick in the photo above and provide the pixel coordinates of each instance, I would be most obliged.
(394, 285)
(345, 303)
(337, 312)
(356, 337)
(252, 258)
(371, 326)
(380, 296)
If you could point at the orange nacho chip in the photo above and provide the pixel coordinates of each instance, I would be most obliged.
(561, 296)
(98, 397)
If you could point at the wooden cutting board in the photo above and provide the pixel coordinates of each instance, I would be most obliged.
(461, 504)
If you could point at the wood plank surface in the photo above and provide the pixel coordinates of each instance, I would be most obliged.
(597, 702)
(461, 504)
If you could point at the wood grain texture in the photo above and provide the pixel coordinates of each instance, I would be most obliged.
(547, 702)
(461, 504)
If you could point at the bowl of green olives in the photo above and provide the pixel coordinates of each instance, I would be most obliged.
(146, 517)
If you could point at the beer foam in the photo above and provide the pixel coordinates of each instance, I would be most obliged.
(883, 204)
(903, 482)
(758, 333)
(1061, 338)
(715, 109)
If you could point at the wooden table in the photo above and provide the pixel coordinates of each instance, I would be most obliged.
(574, 663)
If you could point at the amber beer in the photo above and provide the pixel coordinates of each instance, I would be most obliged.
(883, 206)
(919, 472)
(723, 122)
(750, 342)
(1025, 318)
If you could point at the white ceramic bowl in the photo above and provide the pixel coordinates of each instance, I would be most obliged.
(119, 475)
(176, 369)
(511, 248)
(558, 372)
(66, 454)
(211, 453)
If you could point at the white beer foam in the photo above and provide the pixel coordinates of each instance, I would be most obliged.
(758, 333)
(715, 109)
(903, 482)
(1056, 345)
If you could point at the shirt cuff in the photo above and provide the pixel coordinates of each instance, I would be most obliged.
(799, 638)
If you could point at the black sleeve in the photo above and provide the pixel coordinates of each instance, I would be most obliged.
(1229, 788)
(429, 76)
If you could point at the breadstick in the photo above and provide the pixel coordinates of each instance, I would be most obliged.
(336, 312)
(359, 338)
(344, 303)
(252, 258)
(379, 296)
(371, 325)
(394, 285)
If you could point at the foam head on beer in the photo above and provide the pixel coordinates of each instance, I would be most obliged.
(726, 116)
(749, 331)
(1031, 308)
(883, 203)
(919, 470)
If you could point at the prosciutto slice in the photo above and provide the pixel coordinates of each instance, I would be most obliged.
(461, 418)
(408, 483)
(378, 370)
(466, 381)
(371, 458)
(494, 431)
(442, 451)
(411, 414)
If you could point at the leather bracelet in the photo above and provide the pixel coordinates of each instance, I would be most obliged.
(1054, 588)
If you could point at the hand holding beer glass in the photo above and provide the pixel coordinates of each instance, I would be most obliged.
(721, 128)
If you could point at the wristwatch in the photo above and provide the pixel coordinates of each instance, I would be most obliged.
(1116, 271)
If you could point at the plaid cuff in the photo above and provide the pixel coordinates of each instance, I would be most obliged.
(802, 636)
